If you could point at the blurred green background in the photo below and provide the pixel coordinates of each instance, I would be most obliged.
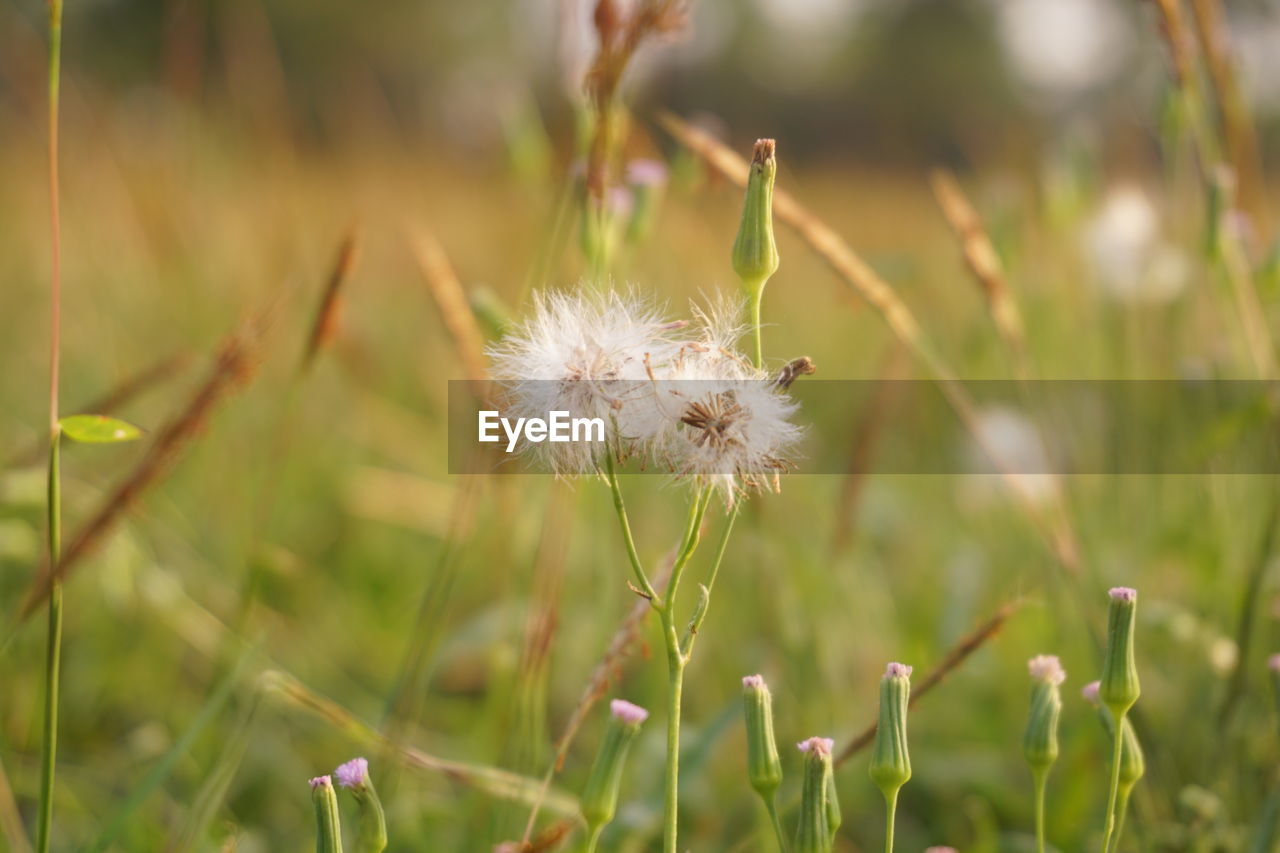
(215, 155)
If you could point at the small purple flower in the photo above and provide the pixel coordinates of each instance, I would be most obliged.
(320, 782)
(1090, 691)
(625, 712)
(620, 202)
(1124, 593)
(752, 682)
(353, 774)
(1274, 662)
(897, 670)
(1047, 668)
(644, 172)
(820, 746)
(940, 850)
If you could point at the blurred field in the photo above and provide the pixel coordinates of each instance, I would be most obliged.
(329, 496)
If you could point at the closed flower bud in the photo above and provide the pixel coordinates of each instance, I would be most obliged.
(354, 777)
(755, 254)
(764, 769)
(890, 762)
(328, 825)
(600, 797)
(1132, 762)
(1040, 741)
(1119, 689)
(814, 833)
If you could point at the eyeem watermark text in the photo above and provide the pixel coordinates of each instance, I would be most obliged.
(556, 427)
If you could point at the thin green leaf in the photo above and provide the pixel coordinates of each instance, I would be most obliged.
(98, 429)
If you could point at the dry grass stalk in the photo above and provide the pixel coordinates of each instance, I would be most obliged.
(1173, 30)
(451, 299)
(11, 819)
(491, 780)
(114, 399)
(605, 673)
(866, 436)
(233, 368)
(981, 258)
(956, 656)
(620, 34)
(329, 312)
(1240, 135)
(1053, 526)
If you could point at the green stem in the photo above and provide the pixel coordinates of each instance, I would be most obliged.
(593, 838)
(671, 800)
(772, 808)
(891, 811)
(695, 624)
(1039, 781)
(1118, 743)
(53, 655)
(621, 508)
(1124, 811)
(755, 326)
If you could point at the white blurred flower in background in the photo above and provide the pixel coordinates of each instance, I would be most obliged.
(1130, 261)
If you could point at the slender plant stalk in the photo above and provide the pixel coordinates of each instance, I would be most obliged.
(772, 808)
(53, 645)
(594, 839)
(1124, 811)
(890, 814)
(755, 327)
(1115, 782)
(1039, 777)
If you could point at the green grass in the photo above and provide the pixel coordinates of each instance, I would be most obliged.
(172, 232)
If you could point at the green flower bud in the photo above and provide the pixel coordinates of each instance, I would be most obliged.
(890, 762)
(764, 768)
(1040, 741)
(354, 777)
(328, 825)
(755, 254)
(600, 797)
(1120, 689)
(814, 833)
(1133, 764)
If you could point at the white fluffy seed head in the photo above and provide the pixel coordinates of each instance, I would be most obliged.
(679, 395)
(587, 354)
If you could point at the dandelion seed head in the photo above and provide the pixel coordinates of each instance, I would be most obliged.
(820, 746)
(590, 355)
(897, 670)
(626, 712)
(1090, 692)
(1047, 668)
(353, 774)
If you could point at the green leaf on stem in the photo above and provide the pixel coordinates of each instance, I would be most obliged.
(98, 429)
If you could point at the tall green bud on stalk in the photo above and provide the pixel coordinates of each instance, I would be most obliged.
(815, 832)
(328, 825)
(1119, 688)
(755, 254)
(354, 777)
(600, 797)
(764, 768)
(890, 761)
(1133, 764)
(1040, 741)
